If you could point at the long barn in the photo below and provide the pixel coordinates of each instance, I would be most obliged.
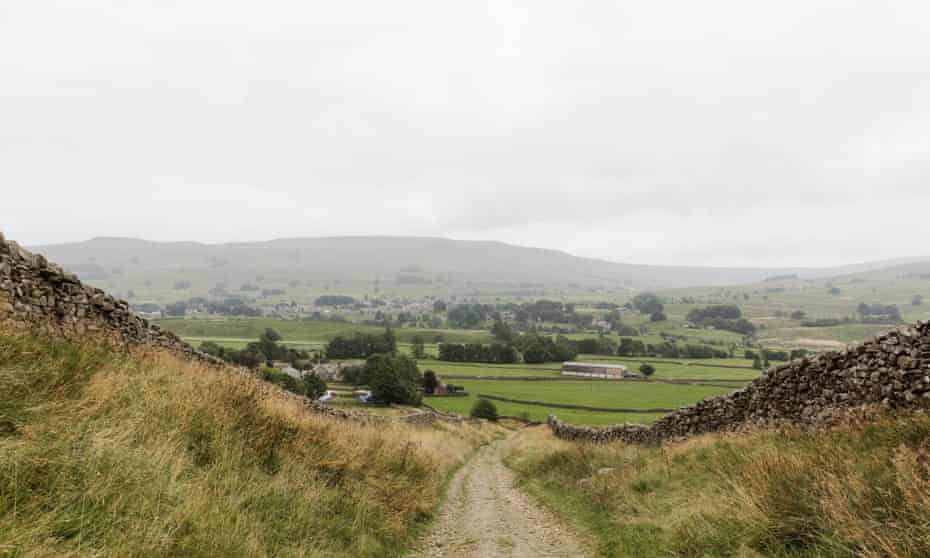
(595, 370)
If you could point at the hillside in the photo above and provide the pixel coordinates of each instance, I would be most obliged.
(307, 267)
(859, 490)
(125, 441)
(118, 439)
(770, 304)
(108, 454)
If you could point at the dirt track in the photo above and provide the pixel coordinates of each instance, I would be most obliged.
(485, 516)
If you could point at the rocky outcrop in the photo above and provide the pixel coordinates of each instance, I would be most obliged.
(891, 370)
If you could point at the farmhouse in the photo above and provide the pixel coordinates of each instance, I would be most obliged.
(595, 370)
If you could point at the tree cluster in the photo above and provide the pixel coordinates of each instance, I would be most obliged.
(393, 379)
(537, 349)
(362, 345)
(469, 315)
(670, 349)
(597, 346)
(878, 313)
(496, 353)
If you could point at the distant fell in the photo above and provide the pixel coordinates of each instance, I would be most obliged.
(403, 265)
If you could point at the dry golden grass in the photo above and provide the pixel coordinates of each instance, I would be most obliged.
(116, 455)
(857, 490)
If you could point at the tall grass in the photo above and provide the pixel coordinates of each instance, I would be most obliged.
(109, 454)
(859, 490)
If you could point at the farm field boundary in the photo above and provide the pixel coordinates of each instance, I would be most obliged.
(666, 361)
(720, 382)
(574, 407)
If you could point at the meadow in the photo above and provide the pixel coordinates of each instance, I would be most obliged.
(858, 490)
(310, 331)
(108, 454)
(594, 393)
(236, 333)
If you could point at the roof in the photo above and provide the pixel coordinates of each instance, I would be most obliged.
(596, 365)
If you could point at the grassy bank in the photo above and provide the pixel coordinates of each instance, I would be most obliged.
(856, 491)
(102, 454)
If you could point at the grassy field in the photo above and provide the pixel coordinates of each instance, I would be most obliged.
(665, 370)
(608, 394)
(295, 331)
(104, 454)
(855, 491)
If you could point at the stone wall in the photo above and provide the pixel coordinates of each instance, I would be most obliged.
(39, 296)
(891, 370)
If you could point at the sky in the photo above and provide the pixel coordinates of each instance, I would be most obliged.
(748, 133)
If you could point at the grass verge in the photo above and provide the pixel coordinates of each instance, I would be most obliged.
(859, 490)
(111, 454)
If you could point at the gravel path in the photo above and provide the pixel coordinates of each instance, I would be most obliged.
(485, 516)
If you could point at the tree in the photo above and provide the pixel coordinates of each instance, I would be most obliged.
(393, 379)
(354, 375)
(647, 369)
(647, 303)
(315, 386)
(417, 347)
(248, 359)
(486, 409)
(502, 331)
(658, 317)
(430, 382)
(390, 340)
(757, 363)
(798, 315)
(268, 344)
(439, 306)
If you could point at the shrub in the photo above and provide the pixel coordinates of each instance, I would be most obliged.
(647, 369)
(486, 409)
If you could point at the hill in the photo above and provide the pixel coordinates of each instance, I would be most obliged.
(118, 439)
(307, 267)
(110, 454)
(824, 312)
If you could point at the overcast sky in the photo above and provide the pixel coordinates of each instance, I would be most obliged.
(720, 133)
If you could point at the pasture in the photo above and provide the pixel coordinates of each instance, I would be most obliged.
(607, 394)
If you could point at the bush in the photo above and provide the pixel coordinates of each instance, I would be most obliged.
(486, 409)
(647, 369)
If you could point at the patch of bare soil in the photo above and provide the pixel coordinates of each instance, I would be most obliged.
(486, 516)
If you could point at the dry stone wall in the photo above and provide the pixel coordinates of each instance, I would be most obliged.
(39, 296)
(891, 370)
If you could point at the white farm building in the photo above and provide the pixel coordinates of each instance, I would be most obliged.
(595, 370)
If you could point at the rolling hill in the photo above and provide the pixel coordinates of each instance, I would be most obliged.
(306, 267)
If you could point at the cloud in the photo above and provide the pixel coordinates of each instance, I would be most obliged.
(658, 132)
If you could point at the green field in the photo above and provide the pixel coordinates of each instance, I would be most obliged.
(610, 394)
(295, 331)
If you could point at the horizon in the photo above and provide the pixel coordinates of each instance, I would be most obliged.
(755, 139)
(888, 261)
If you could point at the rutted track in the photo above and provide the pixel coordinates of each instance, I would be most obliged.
(485, 516)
